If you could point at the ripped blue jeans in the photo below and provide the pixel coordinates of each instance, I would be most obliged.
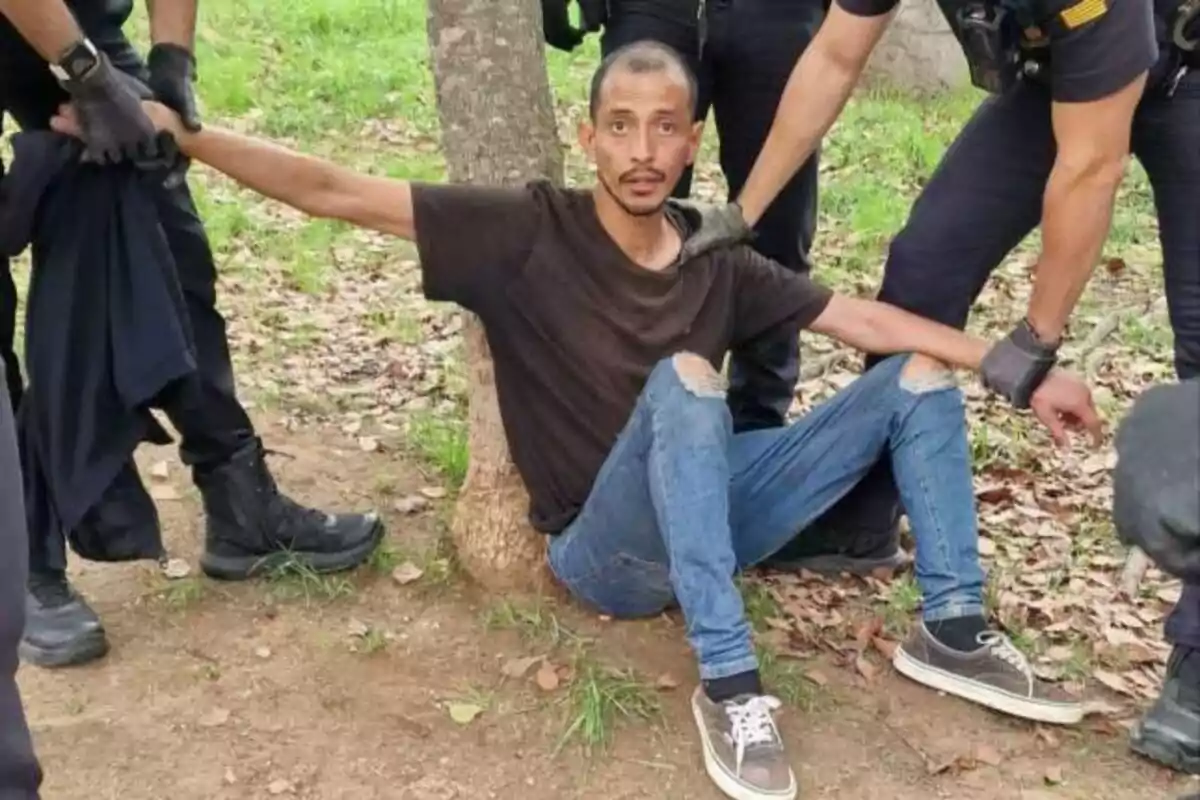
(682, 503)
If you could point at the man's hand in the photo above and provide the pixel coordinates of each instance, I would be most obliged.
(172, 72)
(720, 226)
(1064, 401)
(111, 121)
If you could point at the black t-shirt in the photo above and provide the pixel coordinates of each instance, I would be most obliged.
(1087, 62)
(575, 327)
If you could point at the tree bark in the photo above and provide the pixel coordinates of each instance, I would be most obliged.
(919, 52)
(498, 128)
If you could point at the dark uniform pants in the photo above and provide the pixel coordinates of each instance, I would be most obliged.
(205, 410)
(751, 48)
(986, 196)
(20, 773)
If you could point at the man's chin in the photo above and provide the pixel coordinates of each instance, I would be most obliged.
(643, 206)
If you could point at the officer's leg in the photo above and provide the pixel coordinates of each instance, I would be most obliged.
(20, 774)
(666, 24)
(755, 44)
(984, 197)
(1164, 140)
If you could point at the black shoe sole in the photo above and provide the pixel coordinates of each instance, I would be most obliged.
(833, 564)
(240, 568)
(1165, 753)
(88, 648)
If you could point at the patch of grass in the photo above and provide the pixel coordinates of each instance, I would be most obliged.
(599, 698)
(385, 558)
(760, 604)
(183, 593)
(536, 622)
(291, 579)
(372, 642)
(903, 600)
(784, 678)
(442, 442)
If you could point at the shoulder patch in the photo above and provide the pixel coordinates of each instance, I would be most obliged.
(1083, 12)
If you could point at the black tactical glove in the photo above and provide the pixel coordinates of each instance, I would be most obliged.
(556, 25)
(719, 226)
(1017, 365)
(172, 73)
(108, 103)
(1156, 483)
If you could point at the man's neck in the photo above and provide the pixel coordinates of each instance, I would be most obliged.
(649, 241)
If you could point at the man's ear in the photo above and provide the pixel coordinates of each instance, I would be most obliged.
(587, 138)
(694, 140)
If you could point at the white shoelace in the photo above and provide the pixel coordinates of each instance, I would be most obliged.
(1002, 648)
(751, 723)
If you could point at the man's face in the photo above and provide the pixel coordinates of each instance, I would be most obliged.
(643, 137)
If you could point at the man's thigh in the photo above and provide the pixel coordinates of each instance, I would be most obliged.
(612, 555)
(1164, 140)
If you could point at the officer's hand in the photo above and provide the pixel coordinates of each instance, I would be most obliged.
(720, 226)
(1064, 401)
(111, 121)
(557, 27)
(172, 73)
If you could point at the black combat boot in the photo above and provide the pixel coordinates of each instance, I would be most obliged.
(1170, 731)
(252, 527)
(61, 629)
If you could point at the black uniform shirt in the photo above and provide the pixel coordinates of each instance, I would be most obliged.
(1087, 62)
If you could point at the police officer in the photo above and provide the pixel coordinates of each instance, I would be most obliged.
(742, 52)
(20, 773)
(52, 52)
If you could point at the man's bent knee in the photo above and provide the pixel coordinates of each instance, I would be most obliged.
(698, 376)
(922, 374)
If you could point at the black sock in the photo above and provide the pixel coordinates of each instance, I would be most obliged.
(722, 689)
(959, 633)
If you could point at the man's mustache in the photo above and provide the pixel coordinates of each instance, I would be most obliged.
(641, 175)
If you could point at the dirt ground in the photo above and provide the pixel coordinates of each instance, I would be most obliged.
(245, 691)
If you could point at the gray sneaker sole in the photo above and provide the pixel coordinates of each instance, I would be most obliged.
(240, 568)
(728, 783)
(85, 649)
(981, 694)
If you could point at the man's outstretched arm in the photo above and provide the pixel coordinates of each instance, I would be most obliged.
(317, 187)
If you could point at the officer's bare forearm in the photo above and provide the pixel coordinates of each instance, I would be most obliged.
(173, 22)
(816, 92)
(1077, 214)
(317, 187)
(47, 25)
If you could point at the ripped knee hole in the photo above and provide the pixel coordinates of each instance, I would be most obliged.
(922, 374)
(698, 376)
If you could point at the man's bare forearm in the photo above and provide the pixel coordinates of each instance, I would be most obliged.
(1077, 215)
(173, 22)
(47, 25)
(880, 328)
(317, 187)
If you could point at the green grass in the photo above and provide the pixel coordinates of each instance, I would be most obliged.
(599, 698)
(442, 442)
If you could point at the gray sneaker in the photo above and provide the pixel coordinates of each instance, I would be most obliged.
(997, 675)
(743, 752)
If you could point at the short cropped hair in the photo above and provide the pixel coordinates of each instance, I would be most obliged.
(640, 57)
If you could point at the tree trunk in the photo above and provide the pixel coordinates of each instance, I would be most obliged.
(498, 127)
(919, 51)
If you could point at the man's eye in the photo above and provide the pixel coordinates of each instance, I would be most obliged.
(618, 126)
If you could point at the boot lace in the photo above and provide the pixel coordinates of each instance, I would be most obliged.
(1002, 648)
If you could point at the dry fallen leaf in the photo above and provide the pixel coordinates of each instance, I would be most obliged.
(279, 786)
(230, 778)
(816, 677)
(410, 504)
(263, 652)
(214, 718)
(666, 682)
(1113, 681)
(368, 444)
(1054, 775)
(176, 568)
(518, 667)
(434, 492)
(987, 548)
(986, 754)
(547, 677)
(1049, 737)
(160, 470)
(464, 713)
(866, 668)
(163, 492)
(406, 573)
(358, 628)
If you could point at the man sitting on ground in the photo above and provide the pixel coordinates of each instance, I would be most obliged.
(606, 340)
